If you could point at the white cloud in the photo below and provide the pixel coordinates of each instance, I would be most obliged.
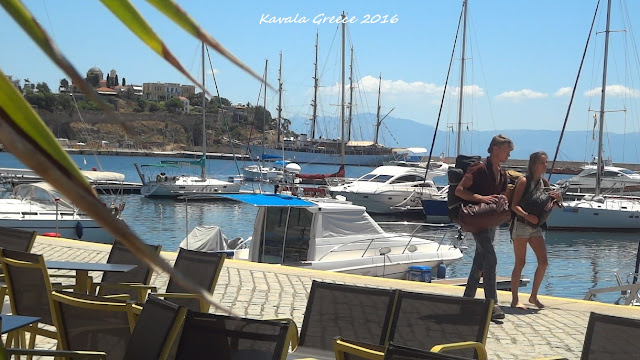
(614, 90)
(564, 91)
(400, 87)
(521, 95)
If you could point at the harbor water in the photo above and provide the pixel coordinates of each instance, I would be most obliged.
(578, 261)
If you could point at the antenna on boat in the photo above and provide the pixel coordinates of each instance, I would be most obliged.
(279, 100)
(350, 121)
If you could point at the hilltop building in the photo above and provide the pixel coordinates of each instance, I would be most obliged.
(159, 91)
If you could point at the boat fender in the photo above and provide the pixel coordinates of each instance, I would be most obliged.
(51, 234)
(442, 271)
(79, 230)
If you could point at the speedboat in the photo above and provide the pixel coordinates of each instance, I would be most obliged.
(40, 207)
(614, 180)
(333, 235)
(391, 189)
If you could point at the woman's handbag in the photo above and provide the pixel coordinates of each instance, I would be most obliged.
(478, 217)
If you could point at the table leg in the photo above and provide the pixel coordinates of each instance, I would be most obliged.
(82, 281)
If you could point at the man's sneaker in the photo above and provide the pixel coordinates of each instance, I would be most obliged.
(497, 314)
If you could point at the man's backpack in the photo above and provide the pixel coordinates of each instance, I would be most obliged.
(455, 175)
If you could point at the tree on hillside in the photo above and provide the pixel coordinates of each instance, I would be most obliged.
(108, 81)
(195, 99)
(260, 117)
(64, 85)
(124, 82)
(173, 105)
(219, 100)
(43, 87)
(141, 105)
(116, 82)
(15, 82)
(153, 107)
(93, 79)
(64, 101)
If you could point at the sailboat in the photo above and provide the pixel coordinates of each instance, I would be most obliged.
(597, 212)
(305, 150)
(163, 185)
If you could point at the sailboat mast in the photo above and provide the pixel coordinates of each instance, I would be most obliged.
(602, 100)
(350, 97)
(264, 108)
(203, 172)
(314, 102)
(342, 139)
(375, 140)
(461, 91)
(279, 98)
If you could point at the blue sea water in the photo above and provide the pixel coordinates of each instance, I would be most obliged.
(578, 261)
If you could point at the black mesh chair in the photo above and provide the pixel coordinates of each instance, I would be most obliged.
(29, 290)
(423, 321)
(14, 239)
(398, 352)
(203, 268)
(611, 337)
(357, 313)
(89, 322)
(225, 337)
(113, 283)
(153, 335)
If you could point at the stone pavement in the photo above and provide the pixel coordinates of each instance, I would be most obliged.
(268, 291)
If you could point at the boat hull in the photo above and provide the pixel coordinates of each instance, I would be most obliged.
(611, 215)
(77, 229)
(436, 210)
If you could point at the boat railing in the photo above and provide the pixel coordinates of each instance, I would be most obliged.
(449, 228)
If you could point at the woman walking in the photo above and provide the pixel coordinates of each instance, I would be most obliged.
(532, 203)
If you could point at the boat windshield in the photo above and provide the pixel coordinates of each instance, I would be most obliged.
(42, 193)
(367, 177)
(381, 178)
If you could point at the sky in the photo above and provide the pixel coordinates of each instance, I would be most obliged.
(521, 58)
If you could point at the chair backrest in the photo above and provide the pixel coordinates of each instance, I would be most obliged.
(28, 283)
(155, 331)
(95, 323)
(399, 352)
(611, 337)
(17, 239)
(424, 320)
(232, 338)
(141, 274)
(203, 268)
(356, 313)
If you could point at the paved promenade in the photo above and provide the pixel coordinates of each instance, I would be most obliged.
(262, 290)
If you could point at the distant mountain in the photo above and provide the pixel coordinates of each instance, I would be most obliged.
(396, 132)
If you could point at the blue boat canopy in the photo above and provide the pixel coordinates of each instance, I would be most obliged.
(268, 199)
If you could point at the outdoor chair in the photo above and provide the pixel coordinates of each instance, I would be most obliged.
(153, 335)
(29, 290)
(201, 267)
(348, 350)
(354, 312)
(235, 338)
(113, 283)
(14, 239)
(89, 322)
(610, 337)
(423, 321)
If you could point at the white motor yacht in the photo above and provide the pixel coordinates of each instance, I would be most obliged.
(40, 207)
(391, 189)
(614, 180)
(327, 234)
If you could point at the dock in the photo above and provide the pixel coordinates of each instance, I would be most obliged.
(258, 290)
(504, 283)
